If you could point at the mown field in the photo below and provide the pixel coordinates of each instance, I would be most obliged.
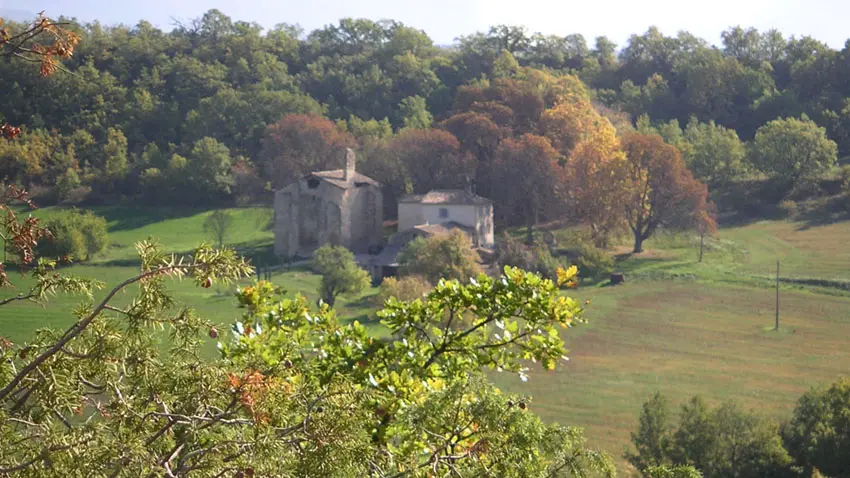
(676, 325)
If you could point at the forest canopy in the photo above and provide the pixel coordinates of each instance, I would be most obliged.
(221, 111)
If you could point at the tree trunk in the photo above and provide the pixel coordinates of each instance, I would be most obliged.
(701, 246)
(530, 228)
(638, 242)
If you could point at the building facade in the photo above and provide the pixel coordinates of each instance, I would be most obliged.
(340, 207)
(450, 206)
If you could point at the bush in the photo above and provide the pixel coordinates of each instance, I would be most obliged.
(440, 257)
(404, 288)
(512, 252)
(543, 263)
(538, 259)
(844, 178)
(594, 263)
(77, 195)
(76, 234)
(788, 209)
(722, 442)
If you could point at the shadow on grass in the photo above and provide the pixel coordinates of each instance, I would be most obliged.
(824, 212)
(128, 217)
(260, 252)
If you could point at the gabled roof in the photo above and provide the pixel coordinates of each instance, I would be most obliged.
(336, 177)
(447, 196)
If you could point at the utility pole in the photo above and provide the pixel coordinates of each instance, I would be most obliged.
(777, 297)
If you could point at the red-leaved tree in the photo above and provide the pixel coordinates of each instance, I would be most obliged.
(663, 191)
(299, 144)
(432, 159)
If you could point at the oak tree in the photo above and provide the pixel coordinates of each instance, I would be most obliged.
(663, 193)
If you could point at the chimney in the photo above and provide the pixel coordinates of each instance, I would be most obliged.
(350, 160)
(470, 185)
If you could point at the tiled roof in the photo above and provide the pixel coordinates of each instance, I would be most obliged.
(337, 178)
(447, 196)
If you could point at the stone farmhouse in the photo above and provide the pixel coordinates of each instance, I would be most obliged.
(344, 207)
(339, 206)
(436, 213)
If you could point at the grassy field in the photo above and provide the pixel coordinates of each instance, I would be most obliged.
(683, 339)
(677, 326)
(179, 232)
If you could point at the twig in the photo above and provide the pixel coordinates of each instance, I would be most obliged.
(80, 326)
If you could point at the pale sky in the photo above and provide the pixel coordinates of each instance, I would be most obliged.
(444, 20)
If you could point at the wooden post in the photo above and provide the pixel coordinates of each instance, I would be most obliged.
(777, 297)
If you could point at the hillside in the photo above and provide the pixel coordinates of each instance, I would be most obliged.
(676, 325)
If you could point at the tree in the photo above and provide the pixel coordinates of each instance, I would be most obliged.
(26, 45)
(664, 193)
(652, 440)
(595, 173)
(208, 168)
(792, 150)
(414, 113)
(528, 173)
(115, 164)
(340, 274)
(432, 159)
(706, 224)
(448, 256)
(299, 144)
(74, 234)
(818, 434)
(218, 224)
(294, 386)
(722, 442)
(715, 154)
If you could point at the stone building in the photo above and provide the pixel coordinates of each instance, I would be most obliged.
(341, 207)
(426, 215)
(456, 208)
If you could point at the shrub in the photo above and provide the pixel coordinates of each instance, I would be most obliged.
(538, 259)
(788, 209)
(440, 257)
(512, 252)
(593, 262)
(543, 263)
(844, 177)
(403, 288)
(76, 234)
(77, 195)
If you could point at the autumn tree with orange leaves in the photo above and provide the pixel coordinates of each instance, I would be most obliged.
(663, 193)
(595, 180)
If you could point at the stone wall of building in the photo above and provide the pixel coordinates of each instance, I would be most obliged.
(310, 213)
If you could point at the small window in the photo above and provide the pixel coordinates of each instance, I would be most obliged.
(444, 212)
(313, 183)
